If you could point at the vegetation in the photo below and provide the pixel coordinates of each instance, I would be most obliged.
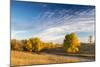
(27, 52)
(26, 58)
(90, 39)
(31, 45)
(56, 55)
(71, 43)
(16, 45)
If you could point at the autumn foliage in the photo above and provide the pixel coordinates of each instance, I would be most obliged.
(16, 45)
(31, 45)
(71, 43)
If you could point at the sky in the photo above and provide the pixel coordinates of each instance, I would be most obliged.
(51, 22)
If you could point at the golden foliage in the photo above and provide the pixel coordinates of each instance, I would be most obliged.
(71, 43)
(31, 45)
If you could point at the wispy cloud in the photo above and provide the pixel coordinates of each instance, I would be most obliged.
(52, 24)
(81, 23)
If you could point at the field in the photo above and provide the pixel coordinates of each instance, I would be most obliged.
(52, 56)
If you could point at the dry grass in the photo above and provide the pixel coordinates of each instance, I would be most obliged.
(56, 55)
(26, 58)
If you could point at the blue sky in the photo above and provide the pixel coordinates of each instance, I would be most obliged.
(51, 22)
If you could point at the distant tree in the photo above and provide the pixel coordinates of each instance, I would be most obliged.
(28, 46)
(50, 45)
(71, 43)
(16, 45)
(13, 44)
(24, 42)
(36, 44)
(90, 39)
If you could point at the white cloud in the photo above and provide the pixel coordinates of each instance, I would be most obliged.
(55, 28)
(14, 34)
(58, 32)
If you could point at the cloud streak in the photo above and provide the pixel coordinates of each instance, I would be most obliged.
(52, 23)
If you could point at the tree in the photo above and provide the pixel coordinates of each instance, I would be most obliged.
(13, 44)
(16, 45)
(24, 42)
(28, 46)
(71, 43)
(90, 39)
(36, 44)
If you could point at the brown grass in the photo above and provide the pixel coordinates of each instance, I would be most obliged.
(56, 55)
(26, 58)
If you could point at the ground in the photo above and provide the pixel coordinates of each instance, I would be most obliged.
(52, 56)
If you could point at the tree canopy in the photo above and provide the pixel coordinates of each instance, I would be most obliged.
(71, 43)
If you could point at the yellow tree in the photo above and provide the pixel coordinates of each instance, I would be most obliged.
(37, 44)
(28, 46)
(71, 43)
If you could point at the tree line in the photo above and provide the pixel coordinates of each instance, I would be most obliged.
(70, 44)
(31, 45)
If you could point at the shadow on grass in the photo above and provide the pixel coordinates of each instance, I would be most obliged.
(86, 51)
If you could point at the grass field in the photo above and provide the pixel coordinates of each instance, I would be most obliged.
(52, 56)
(24, 58)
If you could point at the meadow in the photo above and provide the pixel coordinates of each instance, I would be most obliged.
(53, 56)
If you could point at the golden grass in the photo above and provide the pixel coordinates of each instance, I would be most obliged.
(26, 58)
